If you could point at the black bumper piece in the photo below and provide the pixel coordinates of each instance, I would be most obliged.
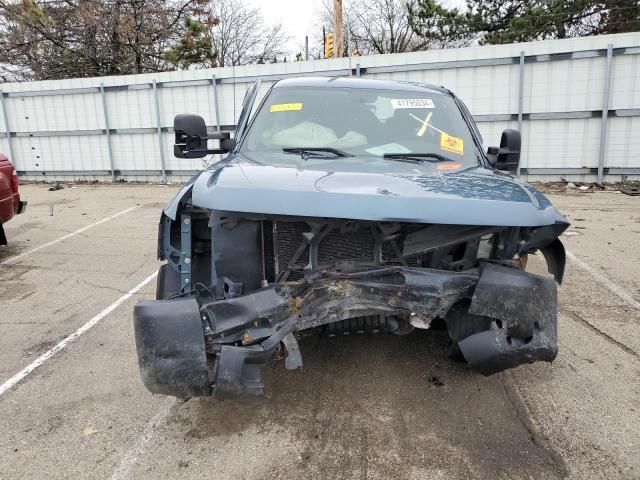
(172, 351)
(171, 348)
(525, 307)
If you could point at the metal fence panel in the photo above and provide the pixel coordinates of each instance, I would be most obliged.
(563, 144)
(564, 86)
(623, 142)
(121, 127)
(625, 87)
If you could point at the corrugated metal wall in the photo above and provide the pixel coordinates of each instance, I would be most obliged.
(555, 91)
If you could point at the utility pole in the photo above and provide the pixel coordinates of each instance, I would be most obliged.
(324, 41)
(339, 28)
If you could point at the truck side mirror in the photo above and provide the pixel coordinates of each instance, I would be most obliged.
(191, 138)
(507, 156)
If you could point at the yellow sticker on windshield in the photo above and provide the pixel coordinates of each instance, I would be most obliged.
(286, 107)
(451, 144)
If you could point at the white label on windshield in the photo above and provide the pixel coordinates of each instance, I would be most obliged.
(388, 148)
(412, 103)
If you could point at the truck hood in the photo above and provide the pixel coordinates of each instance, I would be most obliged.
(477, 196)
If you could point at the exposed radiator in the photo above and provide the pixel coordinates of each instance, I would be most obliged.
(355, 243)
(346, 242)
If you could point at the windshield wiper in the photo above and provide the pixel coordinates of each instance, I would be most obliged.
(306, 152)
(418, 157)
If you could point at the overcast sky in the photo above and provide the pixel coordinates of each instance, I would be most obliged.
(297, 17)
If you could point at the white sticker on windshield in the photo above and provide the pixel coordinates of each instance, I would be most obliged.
(388, 148)
(412, 103)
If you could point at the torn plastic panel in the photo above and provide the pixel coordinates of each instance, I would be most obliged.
(525, 331)
(517, 298)
(238, 370)
(546, 239)
(238, 336)
(171, 347)
(556, 257)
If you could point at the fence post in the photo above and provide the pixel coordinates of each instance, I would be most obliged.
(108, 130)
(159, 126)
(520, 102)
(6, 126)
(605, 113)
(215, 101)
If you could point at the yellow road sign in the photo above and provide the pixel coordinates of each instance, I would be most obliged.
(328, 45)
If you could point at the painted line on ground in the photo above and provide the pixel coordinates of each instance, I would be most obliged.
(65, 237)
(617, 289)
(131, 457)
(18, 377)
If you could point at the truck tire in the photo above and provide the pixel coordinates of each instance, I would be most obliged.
(461, 324)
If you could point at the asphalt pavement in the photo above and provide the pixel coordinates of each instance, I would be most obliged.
(364, 407)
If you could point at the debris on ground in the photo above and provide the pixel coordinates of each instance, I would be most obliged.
(630, 190)
(627, 187)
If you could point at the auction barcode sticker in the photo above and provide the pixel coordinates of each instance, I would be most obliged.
(412, 103)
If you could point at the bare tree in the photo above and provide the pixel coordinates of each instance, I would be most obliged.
(240, 36)
(382, 26)
(375, 26)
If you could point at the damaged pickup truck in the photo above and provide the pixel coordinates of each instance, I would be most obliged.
(346, 205)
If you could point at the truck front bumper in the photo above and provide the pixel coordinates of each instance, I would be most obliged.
(187, 347)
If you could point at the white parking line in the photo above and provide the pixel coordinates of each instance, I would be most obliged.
(139, 447)
(68, 235)
(84, 328)
(617, 289)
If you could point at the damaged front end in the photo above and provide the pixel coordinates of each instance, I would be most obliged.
(236, 287)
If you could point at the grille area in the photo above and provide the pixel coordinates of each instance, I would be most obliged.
(351, 243)
(287, 238)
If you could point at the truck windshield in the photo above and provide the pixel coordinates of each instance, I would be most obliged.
(361, 124)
